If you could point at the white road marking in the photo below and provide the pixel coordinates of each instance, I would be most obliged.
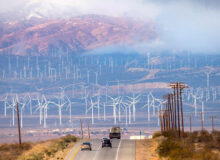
(97, 152)
(116, 158)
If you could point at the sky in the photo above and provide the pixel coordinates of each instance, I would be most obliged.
(183, 25)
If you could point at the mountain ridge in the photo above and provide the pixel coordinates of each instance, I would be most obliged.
(77, 34)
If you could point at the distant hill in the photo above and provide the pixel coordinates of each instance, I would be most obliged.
(38, 36)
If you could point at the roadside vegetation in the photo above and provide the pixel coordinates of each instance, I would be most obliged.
(198, 145)
(51, 149)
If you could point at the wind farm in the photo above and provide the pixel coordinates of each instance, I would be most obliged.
(109, 80)
(90, 87)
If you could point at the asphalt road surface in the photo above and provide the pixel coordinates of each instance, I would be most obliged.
(121, 150)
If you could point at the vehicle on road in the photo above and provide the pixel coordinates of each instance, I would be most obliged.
(104, 139)
(106, 143)
(115, 133)
(86, 146)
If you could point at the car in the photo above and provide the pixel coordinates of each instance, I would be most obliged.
(106, 142)
(104, 139)
(86, 146)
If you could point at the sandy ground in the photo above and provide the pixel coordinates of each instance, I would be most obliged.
(146, 150)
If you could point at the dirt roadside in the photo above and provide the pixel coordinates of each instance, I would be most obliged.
(146, 149)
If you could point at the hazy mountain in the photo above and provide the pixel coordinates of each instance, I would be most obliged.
(43, 36)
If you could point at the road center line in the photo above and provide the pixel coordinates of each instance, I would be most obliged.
(116, 158)
(75, 153)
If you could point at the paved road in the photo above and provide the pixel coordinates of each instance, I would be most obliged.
(121, 150)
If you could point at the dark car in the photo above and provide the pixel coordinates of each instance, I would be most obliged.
(106, 143)
(86, 146)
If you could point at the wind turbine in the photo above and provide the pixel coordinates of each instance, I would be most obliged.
(126, 116)
(214, 94)
(114, 104)
(12, 107)
(133, 101)
(5, 105)
(30, 104)
(45, 108)
(40, 107)
(98, 104)
(203, 115)
(60, 106)
(207, 95)
(70, 109)
(159, 107)
(148, 107)
(23, 104)
(104, 111)
(195, 98)
(207, 78)
(92, 104)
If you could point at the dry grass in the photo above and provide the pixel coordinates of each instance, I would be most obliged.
(145, 149)
(50, 150)
(195, 146)
(12, 151)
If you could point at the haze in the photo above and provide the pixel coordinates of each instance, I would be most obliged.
(185, 25)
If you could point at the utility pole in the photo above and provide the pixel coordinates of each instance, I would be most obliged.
(171, 110)
(182, 86)
(178, 110)
(190, 123)
(88, 130)
(213, 117)
(19, 129)
(178, 106)
(81, 128)
(174, 104)
(161, 121)
(202, 121)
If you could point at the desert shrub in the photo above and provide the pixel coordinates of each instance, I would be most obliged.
(192, 137)
(187, 134)
(51, 151)
(175, 149)
(69, 138)
(12, 151)
(164, 149)
(216, 136)
(62, 145)
(181, 153)
(59, 145)
(156, 134)
(204, 136)
(35, 156)
(170, 134)
(194, 146)
(205, 154)
(15, 147)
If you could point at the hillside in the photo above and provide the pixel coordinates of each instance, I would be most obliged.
(43, 36)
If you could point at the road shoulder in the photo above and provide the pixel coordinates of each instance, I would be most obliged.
(146, 149)
(69, 156)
